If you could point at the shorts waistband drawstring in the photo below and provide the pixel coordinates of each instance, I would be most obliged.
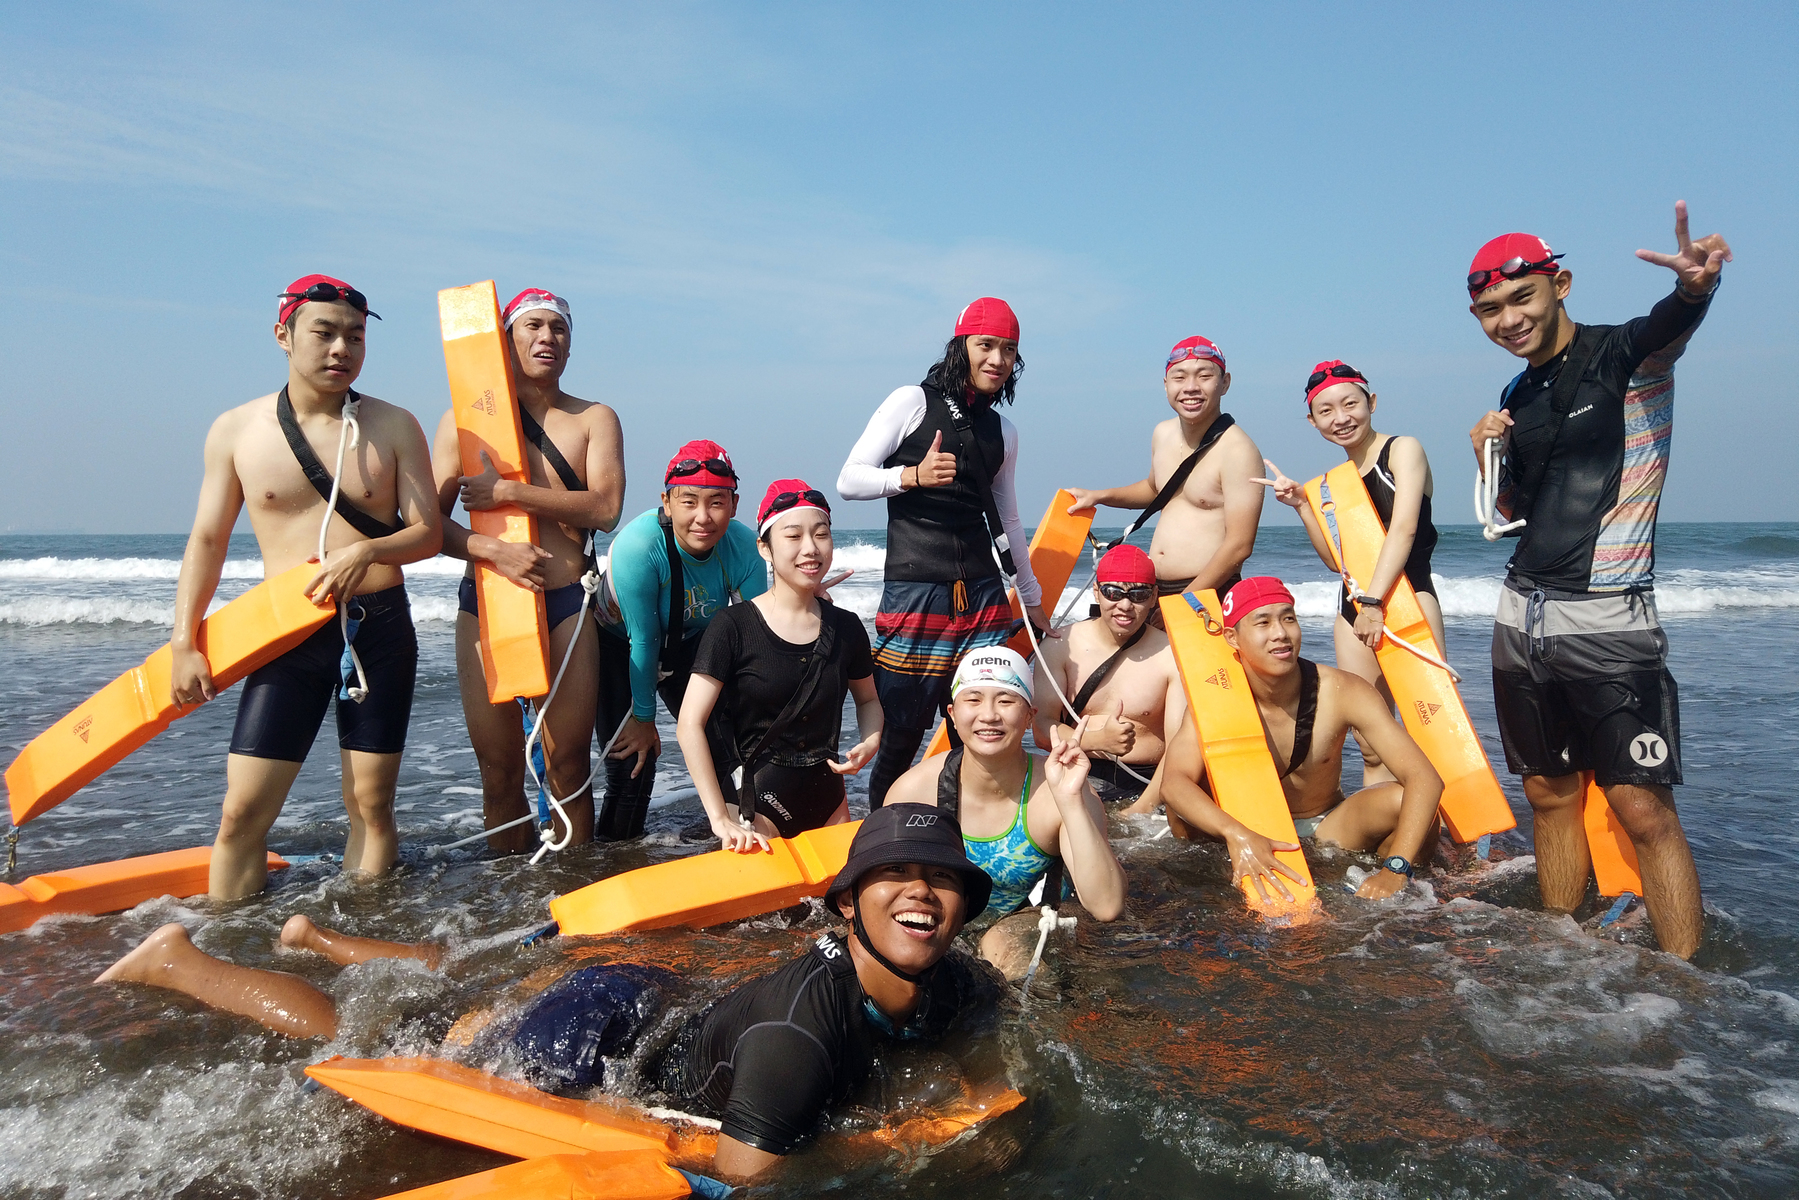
(1536, 610)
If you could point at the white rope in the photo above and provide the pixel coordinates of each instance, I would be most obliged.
(590, 586)
(1046, 924)
(1486, 494)
(533, 816)
(347, 438)
(1354, 590)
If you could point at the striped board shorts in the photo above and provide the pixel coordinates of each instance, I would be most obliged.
(920, 637)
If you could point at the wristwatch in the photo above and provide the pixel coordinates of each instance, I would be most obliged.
(1398, 866)
(1367, 601)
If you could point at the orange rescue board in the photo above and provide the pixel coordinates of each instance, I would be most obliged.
(259, 626)
(1055, 551)
(637, 1175)
(514, 628)
(108, 887)
(1614, 855)
(1241, 772)
(709, 889)
(1429, 704)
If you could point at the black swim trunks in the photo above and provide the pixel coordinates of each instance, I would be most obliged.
(1113, 784)
(284, 702)
(559, 603)
(796, 799)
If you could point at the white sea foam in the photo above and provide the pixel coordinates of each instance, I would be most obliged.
(102, 570)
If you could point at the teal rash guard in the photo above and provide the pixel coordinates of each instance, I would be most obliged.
(639, 577)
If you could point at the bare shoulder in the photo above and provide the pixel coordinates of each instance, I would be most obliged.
(1155, 641)
(598, 417)
(384, 420)
(1166, 433)
(1408, 452)
(1350, 693)
(918, 785)
(233, 421)
(1237, 444)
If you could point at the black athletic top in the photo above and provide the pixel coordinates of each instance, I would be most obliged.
(1591, 524)
(1381, 490)
(761, 673)
(772, 1056)
(939, 534)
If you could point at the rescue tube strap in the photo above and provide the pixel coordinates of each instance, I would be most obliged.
(970, 453)
(1305, 718)
(368, 525)
(822, 649)
(677, 599)
(1561, 402)
(1099, 677)
(1178, 480)
(535, 433)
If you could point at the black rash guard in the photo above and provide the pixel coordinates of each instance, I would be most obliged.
(772, 1056)
(1591, 526)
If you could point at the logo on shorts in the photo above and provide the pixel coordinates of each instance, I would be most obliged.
(1648, 750)
(82, 727)
(1220, 678)
(1426, 711)
(921, 821)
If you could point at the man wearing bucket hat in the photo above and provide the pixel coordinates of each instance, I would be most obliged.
(767, 1060)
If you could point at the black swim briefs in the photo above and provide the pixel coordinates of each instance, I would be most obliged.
(796, 799)
(559, 603)
(284, 702)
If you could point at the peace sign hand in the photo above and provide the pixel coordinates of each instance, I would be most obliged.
(1697, 263)
(1287, 491)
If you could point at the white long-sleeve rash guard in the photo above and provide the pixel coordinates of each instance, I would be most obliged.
(864, 478)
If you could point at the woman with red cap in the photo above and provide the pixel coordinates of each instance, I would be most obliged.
(782, 664)
(1340, 406)
(688, 547)
(944, 459)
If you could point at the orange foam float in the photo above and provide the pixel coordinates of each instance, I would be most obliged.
(629, 1175)
(108, 887)
(1614, 854)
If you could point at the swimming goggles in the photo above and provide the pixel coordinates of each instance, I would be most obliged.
(1340, 371)
(1183, 353)
(1136, 593)
(693, 466)
(1512, 268)
(327, 292)
(787, 500)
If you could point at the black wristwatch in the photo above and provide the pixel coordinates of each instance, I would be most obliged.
(1398, 866)
(1370, 602)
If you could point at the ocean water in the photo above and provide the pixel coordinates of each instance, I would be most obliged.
(1459, 1042)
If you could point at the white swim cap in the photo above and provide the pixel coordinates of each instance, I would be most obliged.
(994, 666)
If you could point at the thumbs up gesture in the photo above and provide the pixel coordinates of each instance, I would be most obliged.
(478, 490)
(938, 468)
(1113, 733)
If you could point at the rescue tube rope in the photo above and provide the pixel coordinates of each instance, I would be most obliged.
(1486, 494)
(1354, 590)
(348, 436)
(590, 586)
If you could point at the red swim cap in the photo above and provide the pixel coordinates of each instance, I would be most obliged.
(700, 464)
(990, 316)
(1334, 371)
(1194, 347)
(785, 495)
(1258, 591)
(295, 296)
(531, 299)
(1519, 248)
(1125, 564)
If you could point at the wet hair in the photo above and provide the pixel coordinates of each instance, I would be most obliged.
(952, 375)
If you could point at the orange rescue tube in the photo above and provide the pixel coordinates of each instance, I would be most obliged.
(108, 887)
(259, 626)
(637, 1175)
(1614, 854)
(1429, 704)
(709, 889)
(1238, 766)
(514, 628)
(1055, 552)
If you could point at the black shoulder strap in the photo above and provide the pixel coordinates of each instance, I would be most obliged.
(1561, 402)
(822, 649)
(1099, 677)
(677, 594)
(1305, 718)
(836, 955)
(949, 784)
(368, 525)
(968, 452)
(551, 455)
(1178, 480)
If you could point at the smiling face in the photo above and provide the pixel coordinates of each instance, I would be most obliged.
(1124, 616)
(1267, 640)
(990, 362)
(991, 720)
(1344, 414)
(1524, 316)
(540, 342)
(798, 546)
(911, 912)
(700, 515)
(324, 344)
(1196, 387)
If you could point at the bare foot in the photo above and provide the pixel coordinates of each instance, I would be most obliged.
(151, 959)
(300, 933)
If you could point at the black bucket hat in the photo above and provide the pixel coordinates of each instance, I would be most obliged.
(912, 833)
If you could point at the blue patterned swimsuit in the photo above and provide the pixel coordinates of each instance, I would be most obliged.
(1012, 859)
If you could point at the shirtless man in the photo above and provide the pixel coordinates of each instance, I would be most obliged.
(582, 488)
(1208, 525)
(1307, 710)
(384, 519)
(1119, 669)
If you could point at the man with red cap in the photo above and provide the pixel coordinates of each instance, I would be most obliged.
(1307, 710)
(1119, 673)
(944, 459)
(575, 451)
(1580, 675)
(368, 513)
(669, 571)
(1202, 470)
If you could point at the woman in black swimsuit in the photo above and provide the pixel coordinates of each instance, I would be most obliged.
(1340, 406)
(782, 664)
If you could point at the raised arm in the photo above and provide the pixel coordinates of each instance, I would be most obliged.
(221, 499)
(520, 562)
(1367, 715)
(863, 477)
(1081, 841)
(1240, 467)
(1132, 495)
(1292, 493)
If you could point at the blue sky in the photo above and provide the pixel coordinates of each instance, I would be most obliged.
(767, 216)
